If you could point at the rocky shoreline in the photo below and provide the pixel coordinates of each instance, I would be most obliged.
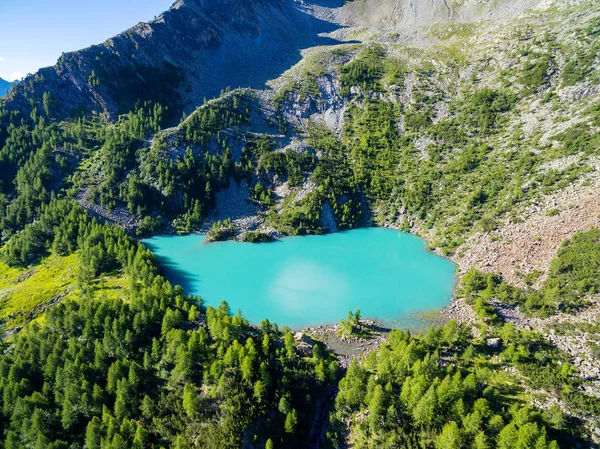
(347, 347)
(459, 310)
(350, 347)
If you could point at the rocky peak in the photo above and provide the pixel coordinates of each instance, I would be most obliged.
(170, 60)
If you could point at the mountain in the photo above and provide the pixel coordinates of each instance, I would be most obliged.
(5, 86)
(190, 52)
(472, 124)
(199, 47)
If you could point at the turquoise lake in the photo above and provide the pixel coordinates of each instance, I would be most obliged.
(307, 281)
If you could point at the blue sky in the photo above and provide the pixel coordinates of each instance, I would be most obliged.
(34, 33)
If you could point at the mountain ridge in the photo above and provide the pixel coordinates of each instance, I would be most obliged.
(167, 60)
(197, 48)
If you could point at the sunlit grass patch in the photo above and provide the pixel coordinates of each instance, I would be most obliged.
(24, 292)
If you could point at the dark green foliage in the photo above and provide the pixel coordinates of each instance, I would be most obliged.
(290, 165)
(181, 184)
(118, 155)
(37, 158)
(480, 289)
(406, 395)
(335, 178)
(221, 230)
(262, 195)
(303, 218)
(485, 107)
(575, 272)
(32, 187)
(57, 228)
(160, 182)
(256, 237)
(546, 368)
(232, 110)
(416, 120)
(364, 71)
(26, 165)
(353, 327)
(374, 163)
(194, 178)
(536, 71)
(373, 145)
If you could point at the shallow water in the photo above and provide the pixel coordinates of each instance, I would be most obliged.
(307, 281)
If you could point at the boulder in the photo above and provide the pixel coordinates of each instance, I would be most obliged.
(493, 343)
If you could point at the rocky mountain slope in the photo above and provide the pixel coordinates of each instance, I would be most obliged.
(199, 47)
(190, 52)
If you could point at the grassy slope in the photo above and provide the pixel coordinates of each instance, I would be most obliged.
(26, 292)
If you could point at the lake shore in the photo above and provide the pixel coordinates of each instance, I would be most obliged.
(347, 347)
(459, 310)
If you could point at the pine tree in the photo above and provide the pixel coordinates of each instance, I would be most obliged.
(191, 403)
(291, 421)
(450, 437)
(376, 407)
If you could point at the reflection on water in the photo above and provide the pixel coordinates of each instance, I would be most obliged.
(301, 284)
